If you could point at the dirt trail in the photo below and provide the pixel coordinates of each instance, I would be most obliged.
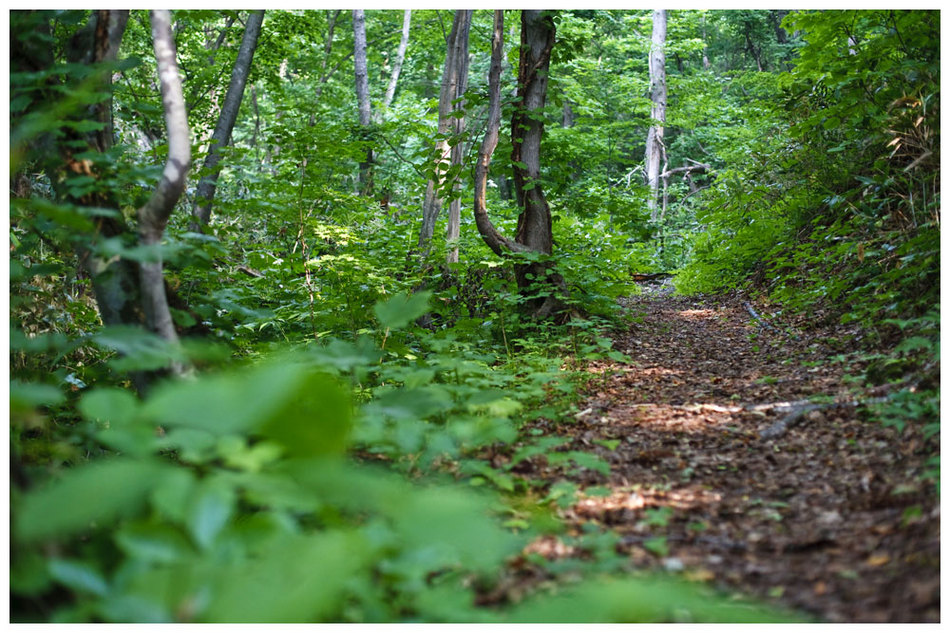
(829, 518)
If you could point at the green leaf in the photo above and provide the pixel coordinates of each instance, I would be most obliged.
(402, 309)
(210, 511)
(78, 576)
(914, 343)
(304, 411)
(297, 579)
(315, 420)
(170, 496)
(94, 494)
(139, 350)
(25, 396)
(153, 543)
(657, 545)
(589, 460)
(109, 404)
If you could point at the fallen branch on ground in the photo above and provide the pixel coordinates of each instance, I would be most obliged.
(799, 409)
(761, 321)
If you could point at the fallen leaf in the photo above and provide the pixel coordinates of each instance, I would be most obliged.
(699, 575)
(878, 560)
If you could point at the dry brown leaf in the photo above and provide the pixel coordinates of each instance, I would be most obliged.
(878, 560)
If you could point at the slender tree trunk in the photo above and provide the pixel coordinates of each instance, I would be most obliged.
(153, 217)
(400, 58)
(454, 81)
(498, 243)
(201, 211)
(655, 150)
(750, 46)
(362, 98)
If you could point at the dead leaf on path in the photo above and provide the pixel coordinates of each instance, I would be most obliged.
(699, 575)
(878, 560)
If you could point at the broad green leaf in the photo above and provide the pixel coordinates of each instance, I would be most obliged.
(153, 543)
(209, 511)
(314, 420)
(402, 309)
(78, 576)
(109, 404)
(86, 496)
(115, 608)
(298, 579)
(25, 396)
(171, 495)
(116, 413)
(139, 349)
(304, 411)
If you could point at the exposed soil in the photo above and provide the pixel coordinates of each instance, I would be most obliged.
(830, 517)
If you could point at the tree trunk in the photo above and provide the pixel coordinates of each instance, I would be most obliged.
(114, 281)
(201, 211)
(153, 217)
(362, 98)
(655, 150)
(527, 128)
(454, 82)
(534, 223)
(400, 58)
(498, 243)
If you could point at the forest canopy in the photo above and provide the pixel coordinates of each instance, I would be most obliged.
(290, 290)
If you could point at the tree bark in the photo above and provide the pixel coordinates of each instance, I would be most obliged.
(534, 223)
(204, 198)
(362, 97)
(400, 58)
(454, 82)
(114, 281)
(153, 217)
(655, 150)
(498, 243)
(527, 128)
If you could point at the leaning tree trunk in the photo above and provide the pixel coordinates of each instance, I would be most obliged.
(397, 63)
(362, 98)
(204, 197)
(498, 243)
(656, 151)
(153, 217)
(454, 81)
(534, 223)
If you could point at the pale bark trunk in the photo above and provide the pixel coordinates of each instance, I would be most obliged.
(397, 63)
(153, 217)
(222, 131)
(655, 150)
(454, 82)
(362, 97)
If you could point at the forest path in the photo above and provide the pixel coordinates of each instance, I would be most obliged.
(829, 518)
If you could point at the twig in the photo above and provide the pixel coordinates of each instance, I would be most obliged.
(761, 321)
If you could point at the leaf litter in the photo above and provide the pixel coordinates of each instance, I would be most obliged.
(831, 517)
